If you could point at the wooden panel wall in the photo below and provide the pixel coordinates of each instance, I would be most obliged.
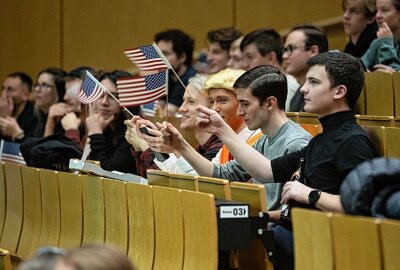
(30, 36)
(68, 33)
(100, 37)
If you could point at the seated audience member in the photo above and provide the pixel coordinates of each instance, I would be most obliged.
(16, 111)
(218, 47)
(208, 145)
(223, 99)
(302, 42)
(383, 53)
(44, 259)
(333, 85)
(95, 257)
(106, 128)
(261, 93)
(235, 55)
(264, 47)
(359, 25)
(68, 117)
(177, 47)
(49, 89)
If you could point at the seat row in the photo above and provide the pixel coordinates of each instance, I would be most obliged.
(158, 227)
(364, 120)
(323, 240)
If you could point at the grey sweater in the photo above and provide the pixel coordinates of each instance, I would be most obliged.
(289, 138)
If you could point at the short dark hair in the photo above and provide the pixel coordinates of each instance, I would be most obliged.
(266, 40)
(59, 80)
(264, 81)
(343, 69)
(181, 43)
(224, 37)
(315, 35)
(114, 75)
(25, 78)
(80, 72)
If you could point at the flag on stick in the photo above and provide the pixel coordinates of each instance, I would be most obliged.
(140, 90)
(91, 89)
(146, 58)
(10, 152)
(74, 89)
(149, 109)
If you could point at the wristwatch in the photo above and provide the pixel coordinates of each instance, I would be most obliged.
(314, 196)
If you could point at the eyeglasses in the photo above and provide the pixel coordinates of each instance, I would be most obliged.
(290, 48)
(43, 86)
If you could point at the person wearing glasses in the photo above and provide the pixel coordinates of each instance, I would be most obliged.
(16, 111)
(49, 89)
(68, 117)
(302, 42)
(264, 47)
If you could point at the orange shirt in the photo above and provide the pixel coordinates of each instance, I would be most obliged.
(226, 155)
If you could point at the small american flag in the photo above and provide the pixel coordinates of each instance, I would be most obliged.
(91, 89)
(10, 152)
(140, 90)
(149, 109)
(146, 58)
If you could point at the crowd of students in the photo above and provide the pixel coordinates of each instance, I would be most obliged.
(235, 106)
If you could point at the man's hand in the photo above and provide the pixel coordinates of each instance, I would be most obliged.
(132, 136)
(96, 124)
(209, 120)
(6, 105)
(9, 127)
(294, 190)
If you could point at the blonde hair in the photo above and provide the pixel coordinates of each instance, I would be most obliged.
(198, 81)
(224, 79)
(236, 44)
(367, 6)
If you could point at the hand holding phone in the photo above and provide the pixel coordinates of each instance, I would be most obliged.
(144, 130)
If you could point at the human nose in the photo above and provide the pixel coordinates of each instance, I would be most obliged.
(378, 14)
(240, 111)
(104, 100)
(182, 108)
(304, 89)
(346, 14)
(216, 107)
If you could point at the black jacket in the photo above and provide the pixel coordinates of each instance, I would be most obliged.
(373, 189)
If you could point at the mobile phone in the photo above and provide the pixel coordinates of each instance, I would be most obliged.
(145, 130)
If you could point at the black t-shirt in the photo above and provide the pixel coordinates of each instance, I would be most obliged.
(329, 156)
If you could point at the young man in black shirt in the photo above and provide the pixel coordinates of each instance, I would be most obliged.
(333, 85)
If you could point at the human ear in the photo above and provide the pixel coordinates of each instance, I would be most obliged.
(340, 92)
